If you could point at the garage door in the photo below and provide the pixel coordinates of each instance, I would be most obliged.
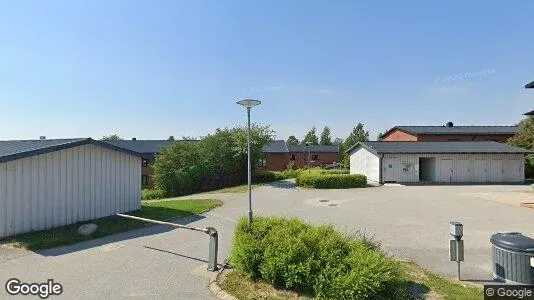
(463, 172)
(445, 171)
(390, 170)
(513, 170)
(479, 170)
(496, 170)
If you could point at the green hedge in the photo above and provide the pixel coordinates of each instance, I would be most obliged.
(267, 176)
(331, 181)
(317, 261)
(147, 194)
(335, 171)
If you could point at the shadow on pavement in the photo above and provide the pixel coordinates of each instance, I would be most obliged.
(136, 233)
(180, 255)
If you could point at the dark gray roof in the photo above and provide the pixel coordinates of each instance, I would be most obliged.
(17, 149)
(276, 146)
(456, 129)
(438, 147)
(145, 146)
(530, 113)
(280, 146)
(530, 85)
(314, 148)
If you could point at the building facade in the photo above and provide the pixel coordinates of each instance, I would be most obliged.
(439, 162)
(278, 155)
(51, 183)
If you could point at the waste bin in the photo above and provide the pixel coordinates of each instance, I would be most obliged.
(513, 258)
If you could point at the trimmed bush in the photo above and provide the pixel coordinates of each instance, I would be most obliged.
(147, 194)
(335, 171)
(318, 261)
(267, 176)
(331, 181)
(291, 173)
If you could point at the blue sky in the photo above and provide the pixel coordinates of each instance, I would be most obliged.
(150, 69)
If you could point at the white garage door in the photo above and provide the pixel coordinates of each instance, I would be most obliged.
(463, 172)
(479, 172)
(390, 169)
(445, 173)
(513, 170)
(496, 170)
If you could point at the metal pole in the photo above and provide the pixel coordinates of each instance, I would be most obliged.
(249, 173)
(214, 246)
(164, 223)
(458, 256)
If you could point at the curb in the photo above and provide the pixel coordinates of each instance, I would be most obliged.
(216, 290)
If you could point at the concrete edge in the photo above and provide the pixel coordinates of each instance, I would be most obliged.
(216, 290)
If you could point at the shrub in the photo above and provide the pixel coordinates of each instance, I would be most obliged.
(335, 171)
(291, 173)
(267, 176)
(331, 181)
(292, 166)
(316, 260)
(147, 194)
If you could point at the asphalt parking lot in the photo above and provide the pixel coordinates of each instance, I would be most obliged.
(411, 222)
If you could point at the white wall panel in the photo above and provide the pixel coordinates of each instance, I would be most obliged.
(67, 186)
(364, 162)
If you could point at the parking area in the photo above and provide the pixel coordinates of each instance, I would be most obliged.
(411, 222)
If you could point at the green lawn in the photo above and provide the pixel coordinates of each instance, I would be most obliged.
(66, 235)
(417, 278)
(233, 189)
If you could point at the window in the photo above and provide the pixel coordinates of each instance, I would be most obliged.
(145, 162)
(293, 157)
(263, 162)
(315, 157)
(144, 179)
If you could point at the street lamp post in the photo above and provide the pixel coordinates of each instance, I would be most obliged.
(249, 103)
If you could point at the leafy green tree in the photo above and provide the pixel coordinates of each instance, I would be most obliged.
(358, 134)
(311, 137)
(217, 160)
(379, 136)
(338, 141)
(524, 138)
(171, 138)
(111, 137)
(326, 138)
(292, 140)
(525, 134)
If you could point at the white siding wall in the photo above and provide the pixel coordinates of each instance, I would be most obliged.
(67, 186)
(366, 163)
(465, 167)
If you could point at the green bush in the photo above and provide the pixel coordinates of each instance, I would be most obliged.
(147, 194)
(335, 171)
(291, 173)
(292, 166)
(267, 176)
(314, 260)
(331, 181)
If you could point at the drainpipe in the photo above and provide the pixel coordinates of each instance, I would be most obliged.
(380, 158)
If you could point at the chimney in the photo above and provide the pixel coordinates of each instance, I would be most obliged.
(134, 139)
(450, 124)
(42, 137)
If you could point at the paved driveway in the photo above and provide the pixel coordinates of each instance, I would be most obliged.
(410, 221)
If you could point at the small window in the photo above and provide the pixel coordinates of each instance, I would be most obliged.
(145, 162)
(315, 157)
(144, 179)
(390, 166)
(263, 162)
(293, 157)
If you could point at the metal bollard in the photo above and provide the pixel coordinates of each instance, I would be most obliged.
(214, 247)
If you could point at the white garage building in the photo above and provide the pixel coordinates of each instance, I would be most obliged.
(443, 162)
(50, 183)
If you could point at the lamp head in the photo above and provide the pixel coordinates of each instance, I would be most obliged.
(249, 103)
